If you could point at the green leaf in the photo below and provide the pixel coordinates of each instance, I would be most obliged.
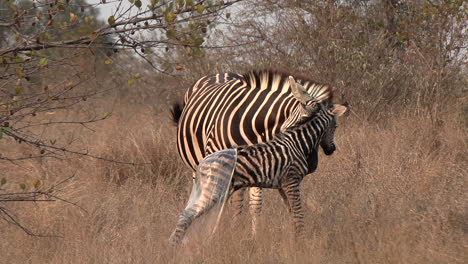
(131, 1)
(197, 52)
(138, 3)
(37, 183)
(43, 62)
(19, 73)
(19, 59)
(189, 2)
(167, 67)
(200, 9)
(13, 7)
(169, 17)
(130, 81)
(23, 186)
(137, 75)
(169, 7)
(18, 90)
(198, 41)
(170, 34)
(107, 62)
(61, 5)
(1, 131)
(3, 181)
(154, 2)
(228, 15)
(106, 115)
(111, 20)
(30, 54)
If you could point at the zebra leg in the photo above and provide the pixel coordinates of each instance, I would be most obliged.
(237, 201)
(255, 206)
(294, 198)
(185, 220)
(285, 199)
(211, 185)
(204, 195)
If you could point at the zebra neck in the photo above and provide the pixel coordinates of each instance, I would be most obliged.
(307, 136)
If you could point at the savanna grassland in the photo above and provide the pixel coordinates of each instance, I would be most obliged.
(393, 192)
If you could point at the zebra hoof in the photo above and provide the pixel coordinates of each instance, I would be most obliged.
(174, 241)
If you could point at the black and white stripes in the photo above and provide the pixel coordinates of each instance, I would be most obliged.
(280, 163)
(229, 109)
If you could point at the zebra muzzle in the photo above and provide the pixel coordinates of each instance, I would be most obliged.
(328, 150)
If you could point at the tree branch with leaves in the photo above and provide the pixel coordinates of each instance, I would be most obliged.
(50, 52)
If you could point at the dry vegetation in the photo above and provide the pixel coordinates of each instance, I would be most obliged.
(393, 192)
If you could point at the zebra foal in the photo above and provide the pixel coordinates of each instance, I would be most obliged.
(280, 163)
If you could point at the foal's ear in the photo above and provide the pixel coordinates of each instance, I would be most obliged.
(338, 110)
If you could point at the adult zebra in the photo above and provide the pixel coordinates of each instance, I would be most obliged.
(229, 109)
(280, 163)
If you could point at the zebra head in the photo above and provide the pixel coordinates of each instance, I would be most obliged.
(312, 105)
(327, 142)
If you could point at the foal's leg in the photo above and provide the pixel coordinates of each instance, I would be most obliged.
(211, 185)
(237, 201)
(294, 198)
(255, 206)
(285, 199)
(185, 220)
(203, 197)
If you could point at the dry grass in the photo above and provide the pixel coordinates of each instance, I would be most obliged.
(394, 192)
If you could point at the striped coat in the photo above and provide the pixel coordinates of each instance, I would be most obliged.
(228, 109)
(280, 163)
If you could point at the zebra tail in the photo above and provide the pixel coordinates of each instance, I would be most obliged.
(176, 112)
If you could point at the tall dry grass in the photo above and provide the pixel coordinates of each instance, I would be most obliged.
(394, 192)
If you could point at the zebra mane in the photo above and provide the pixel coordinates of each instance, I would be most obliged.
(277, 80)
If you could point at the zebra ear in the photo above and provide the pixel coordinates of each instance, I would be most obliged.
(338, 110)
(298, 91)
